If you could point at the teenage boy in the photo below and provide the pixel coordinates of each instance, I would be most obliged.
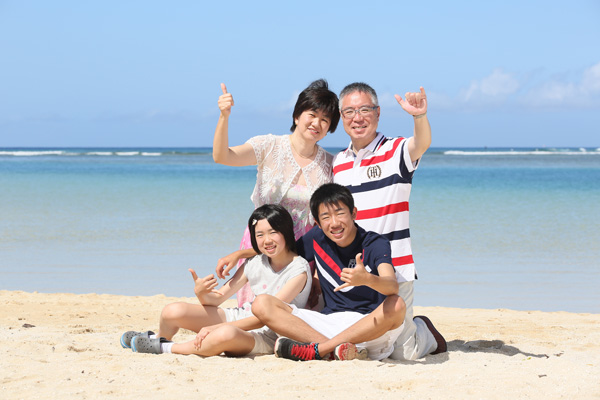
(363, 315)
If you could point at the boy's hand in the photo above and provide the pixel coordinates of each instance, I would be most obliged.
(356, 276)
(226, 264)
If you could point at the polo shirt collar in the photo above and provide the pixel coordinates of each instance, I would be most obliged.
(371, 147)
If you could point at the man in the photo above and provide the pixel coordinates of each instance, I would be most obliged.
(358, 283)
(378, 171)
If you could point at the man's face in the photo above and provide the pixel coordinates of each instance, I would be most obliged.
(337, 222)
(362, 129)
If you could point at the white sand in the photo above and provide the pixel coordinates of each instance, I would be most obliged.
(67, 346)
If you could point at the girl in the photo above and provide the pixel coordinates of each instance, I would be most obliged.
(289, 167)
(276, 270)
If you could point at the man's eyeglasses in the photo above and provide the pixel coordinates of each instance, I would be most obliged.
(364, 111)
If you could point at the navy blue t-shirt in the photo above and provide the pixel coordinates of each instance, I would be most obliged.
(330, 259)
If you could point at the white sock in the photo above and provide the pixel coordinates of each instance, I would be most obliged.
(152, 336)
(165, 348)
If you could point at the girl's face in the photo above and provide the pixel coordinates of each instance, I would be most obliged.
(270, 242)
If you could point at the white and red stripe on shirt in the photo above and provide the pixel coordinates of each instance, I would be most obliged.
(380, 179)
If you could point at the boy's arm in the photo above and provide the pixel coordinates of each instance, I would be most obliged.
(385, 283)
(227, 263)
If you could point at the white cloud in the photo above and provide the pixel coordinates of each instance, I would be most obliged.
(557, 92)
(591, 79)
(494, 88)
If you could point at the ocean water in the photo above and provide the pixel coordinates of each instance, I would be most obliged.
(491, 228)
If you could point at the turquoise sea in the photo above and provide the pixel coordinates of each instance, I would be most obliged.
(491, 228)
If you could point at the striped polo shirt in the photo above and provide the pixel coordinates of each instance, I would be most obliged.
(380, 179)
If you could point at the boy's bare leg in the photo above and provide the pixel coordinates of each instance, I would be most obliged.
(387, 316)
(277, 315)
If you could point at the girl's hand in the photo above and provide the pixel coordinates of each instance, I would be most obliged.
(225, 101)
(203, 334)
(204, 285)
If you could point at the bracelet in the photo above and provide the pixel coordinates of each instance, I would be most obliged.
(420, 115)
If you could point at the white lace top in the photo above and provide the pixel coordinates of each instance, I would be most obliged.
(278, 173)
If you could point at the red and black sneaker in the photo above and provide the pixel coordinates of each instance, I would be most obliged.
(297, 351)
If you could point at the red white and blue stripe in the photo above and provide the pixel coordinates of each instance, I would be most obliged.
(380, 179)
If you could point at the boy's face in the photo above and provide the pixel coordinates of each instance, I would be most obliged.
(337, 222)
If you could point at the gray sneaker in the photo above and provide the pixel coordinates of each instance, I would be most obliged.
(127, 336)
(141, 344)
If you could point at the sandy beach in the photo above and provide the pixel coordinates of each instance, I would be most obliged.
(67, 346)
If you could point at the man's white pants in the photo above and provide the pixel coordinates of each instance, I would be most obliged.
(416, 340)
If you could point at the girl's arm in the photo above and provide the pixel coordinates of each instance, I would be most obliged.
(204, 288)
(237, 156)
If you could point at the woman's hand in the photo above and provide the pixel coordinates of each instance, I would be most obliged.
(225, 101)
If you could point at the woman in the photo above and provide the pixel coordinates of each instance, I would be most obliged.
(289, 167)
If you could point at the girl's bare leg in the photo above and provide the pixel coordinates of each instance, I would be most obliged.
(226, 339)
(188, 316)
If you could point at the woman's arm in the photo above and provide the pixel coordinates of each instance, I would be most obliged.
(237, 156)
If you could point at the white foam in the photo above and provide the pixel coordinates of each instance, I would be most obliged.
(568, 152)
(23, 153)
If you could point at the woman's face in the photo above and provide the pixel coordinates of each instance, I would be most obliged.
(312, 125)
(269, 241)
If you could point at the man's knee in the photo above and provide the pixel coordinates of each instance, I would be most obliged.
(394, 309)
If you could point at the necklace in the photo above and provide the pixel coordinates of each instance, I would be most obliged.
(300, 154)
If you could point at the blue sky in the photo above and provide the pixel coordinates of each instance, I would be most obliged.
(147, 73)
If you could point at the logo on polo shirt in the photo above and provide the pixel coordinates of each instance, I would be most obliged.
(374, 172)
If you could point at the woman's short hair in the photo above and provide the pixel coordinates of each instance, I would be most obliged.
(279, 219)
(318, 97)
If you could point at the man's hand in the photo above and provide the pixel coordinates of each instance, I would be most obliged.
(415, 103)
(225, 101)
(356, 276)
(204, 285)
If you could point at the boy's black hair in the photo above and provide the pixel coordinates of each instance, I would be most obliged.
(330, 194)
(279, 219)
(318, 97)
